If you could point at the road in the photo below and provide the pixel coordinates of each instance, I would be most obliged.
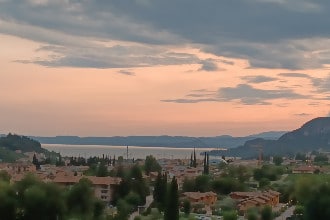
(287, 213)
(149, 200)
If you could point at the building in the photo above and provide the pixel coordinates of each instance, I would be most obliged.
(246, 200)
(207, 198)
(103, 186)
(306, 169)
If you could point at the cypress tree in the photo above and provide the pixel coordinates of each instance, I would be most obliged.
(195, 161)
(157, 189)
(205, 165)
(163, 192)
(114, 160)
(191, 160)
(172, 205)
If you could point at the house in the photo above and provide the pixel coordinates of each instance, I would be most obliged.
(246, 200)
(306, 169)
(103, 186)
(208, 198)
(23, 167)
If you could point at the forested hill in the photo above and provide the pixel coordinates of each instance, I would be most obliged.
(313, 135)
(15, 142)
(159, 141)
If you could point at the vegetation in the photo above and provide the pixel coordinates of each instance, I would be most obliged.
(160, 191)
(15, 142)
(9, 155)
(33, 199)
(172, 203)
(151, 165)
(278, 160)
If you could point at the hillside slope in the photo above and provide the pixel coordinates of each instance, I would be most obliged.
(313, 135)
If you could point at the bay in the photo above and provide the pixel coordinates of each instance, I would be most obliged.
(135, 152)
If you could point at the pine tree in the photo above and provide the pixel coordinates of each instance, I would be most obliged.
(191, 160)
(172, 205)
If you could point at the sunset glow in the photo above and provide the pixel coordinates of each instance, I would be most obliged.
(128, 75)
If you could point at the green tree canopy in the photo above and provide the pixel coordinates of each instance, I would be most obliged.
(151, 165)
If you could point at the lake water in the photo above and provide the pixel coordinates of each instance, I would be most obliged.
(133, 151)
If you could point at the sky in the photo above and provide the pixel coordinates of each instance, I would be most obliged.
(155, 67)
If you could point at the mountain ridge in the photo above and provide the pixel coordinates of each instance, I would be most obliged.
(312, 135)
(158, 141)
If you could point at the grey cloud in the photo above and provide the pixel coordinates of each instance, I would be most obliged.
(244, 94)
(298, 75)
(227, 62)
(314, 103)
(268, 33)
(208, 65)
(126, 72)
(322, 85)
(258, 79)
(98, 56)
(302, 114)
(189, 100)
(202, 90)
(249, 95)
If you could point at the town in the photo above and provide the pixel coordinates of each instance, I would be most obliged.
(106, 187)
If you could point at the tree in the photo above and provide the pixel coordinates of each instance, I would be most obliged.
(300, 156)
(317, 206)
(195, 160)
(102, 170)
(278, 160)
(188, 185)
(172, 204)
(202, 183)
(159, 193)
(186, 207)
(226, 185)
(59, 162)
(151, 165)
(36, 162)
(206, 163)
(4, 176)
(133, 199)
(321, 158)
(8, 204)
(264, 182)
(230, 215)
(266, 213)
(163, 192)
(138, 184)
(252, 214)
(120, 159)
(123, 209)
(157, 188)
(79, 200)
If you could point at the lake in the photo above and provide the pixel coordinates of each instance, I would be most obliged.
(135, 152)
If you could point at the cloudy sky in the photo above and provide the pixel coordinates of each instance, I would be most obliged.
(152, 67)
